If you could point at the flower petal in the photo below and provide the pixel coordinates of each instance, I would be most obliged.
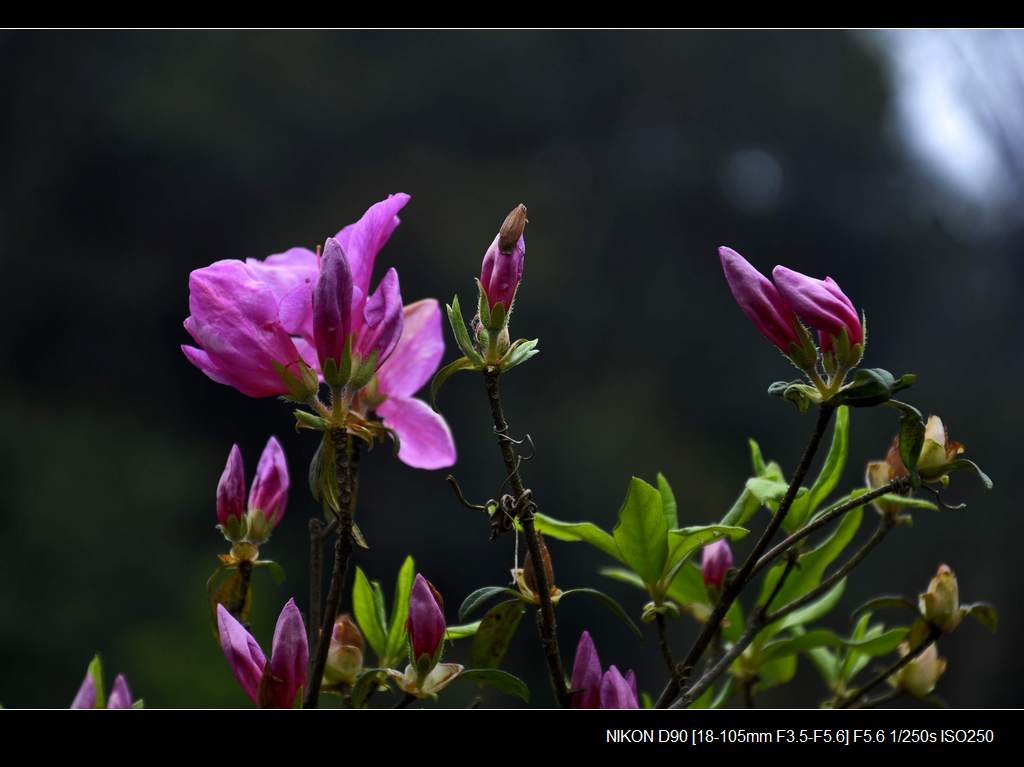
(426, 440)
(86, 695)
(269, 493)
(586, 674)
(616, 692)
(243, 652)
(120, 695)
(289, 655)
(290, 276)
(419, 351)
(364, 239)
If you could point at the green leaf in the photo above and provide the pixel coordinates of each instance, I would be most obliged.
(368, 679)
(827, 663)
(686, 540)
(518, 353)
(705, 699)
(462, 631)
(461, 332)
(397, 630)
(964, 463)
(578, 531)
(756, 459)
(742, 509)
(610, 603)
(776, 672)
(687, 587)
(623, 575)
(813, 611)
(985, 614)
(724, 693)
(95, 671)
(442, 375)
(275, 570)
(869, 386)
(482, 595)
(911, 438)
(835, 461)
(316, 466)
(494, 634)
(364, 606)
(668, 502)
(879, 603)
(766, 490)
(499, 680)
(879, 642)
(641, 533)
(780, 648)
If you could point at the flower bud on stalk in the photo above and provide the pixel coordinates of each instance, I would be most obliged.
(941, 603)
(823, 306)
(268, 498)
(716, 561)
(345, 656)
(919, 677)
(500, 274)
(426, 622)
(530, 573)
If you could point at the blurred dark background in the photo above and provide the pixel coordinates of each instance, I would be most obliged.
(890, 161)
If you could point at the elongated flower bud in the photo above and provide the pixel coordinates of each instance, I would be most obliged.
(426, 622)
(269, 494)
(821, 304)
(530, 573)
(941, 603)
(616, 691)
(332, 303)
(586, 674)
(760, 300)
(231, 489)
(716, 561)
(502, 267)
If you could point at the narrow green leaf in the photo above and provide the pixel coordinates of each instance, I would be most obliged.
(610, 603)
(687, 540)
(482, 595)
(364, 607)
(985, 614)
(776, 672)
(494, 634)
(724, 693)
(462, 631)
(499, 680)
(518, 353)
(756, 459)
(397, 630)
(668, 502)
(95, 671)
(641, 533)
(879, 603)
(442, 375)
(578, 531)
(880, 643)
(742, 509)
(835, 461)
(623, 575)
(461, 333)
(780, 648)
(687, 587)
(815, 610)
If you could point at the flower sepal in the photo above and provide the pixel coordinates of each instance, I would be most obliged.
(301, 387)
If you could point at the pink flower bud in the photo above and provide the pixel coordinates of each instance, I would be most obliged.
(616, 691)
(345, 655)
(332, 303)
(269, 493)
(716, 561)
(120, 696)
(760, 300)
(586, 675)
(821, 304)
(502, 267)
(426, 622)
(231, 489)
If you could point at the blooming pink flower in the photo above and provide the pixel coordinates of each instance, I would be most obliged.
(248, 318)
(594, 689)
(821, 304)
(426, 622)
(716, 561)
(120, 696)
(274, 684)
(760, 300)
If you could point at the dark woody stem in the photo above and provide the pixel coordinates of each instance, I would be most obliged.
(735, 585)
(546, 614)
(666, 650)
(316, 577)
(852, 697)
(762, 618)
(237, 607)
(346, 468)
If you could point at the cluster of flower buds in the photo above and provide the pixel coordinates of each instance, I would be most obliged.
(273, 684)
(594, 688)
(426, 676)
(715, 563)
(248, 524)
(90, 693)
(777, 308)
